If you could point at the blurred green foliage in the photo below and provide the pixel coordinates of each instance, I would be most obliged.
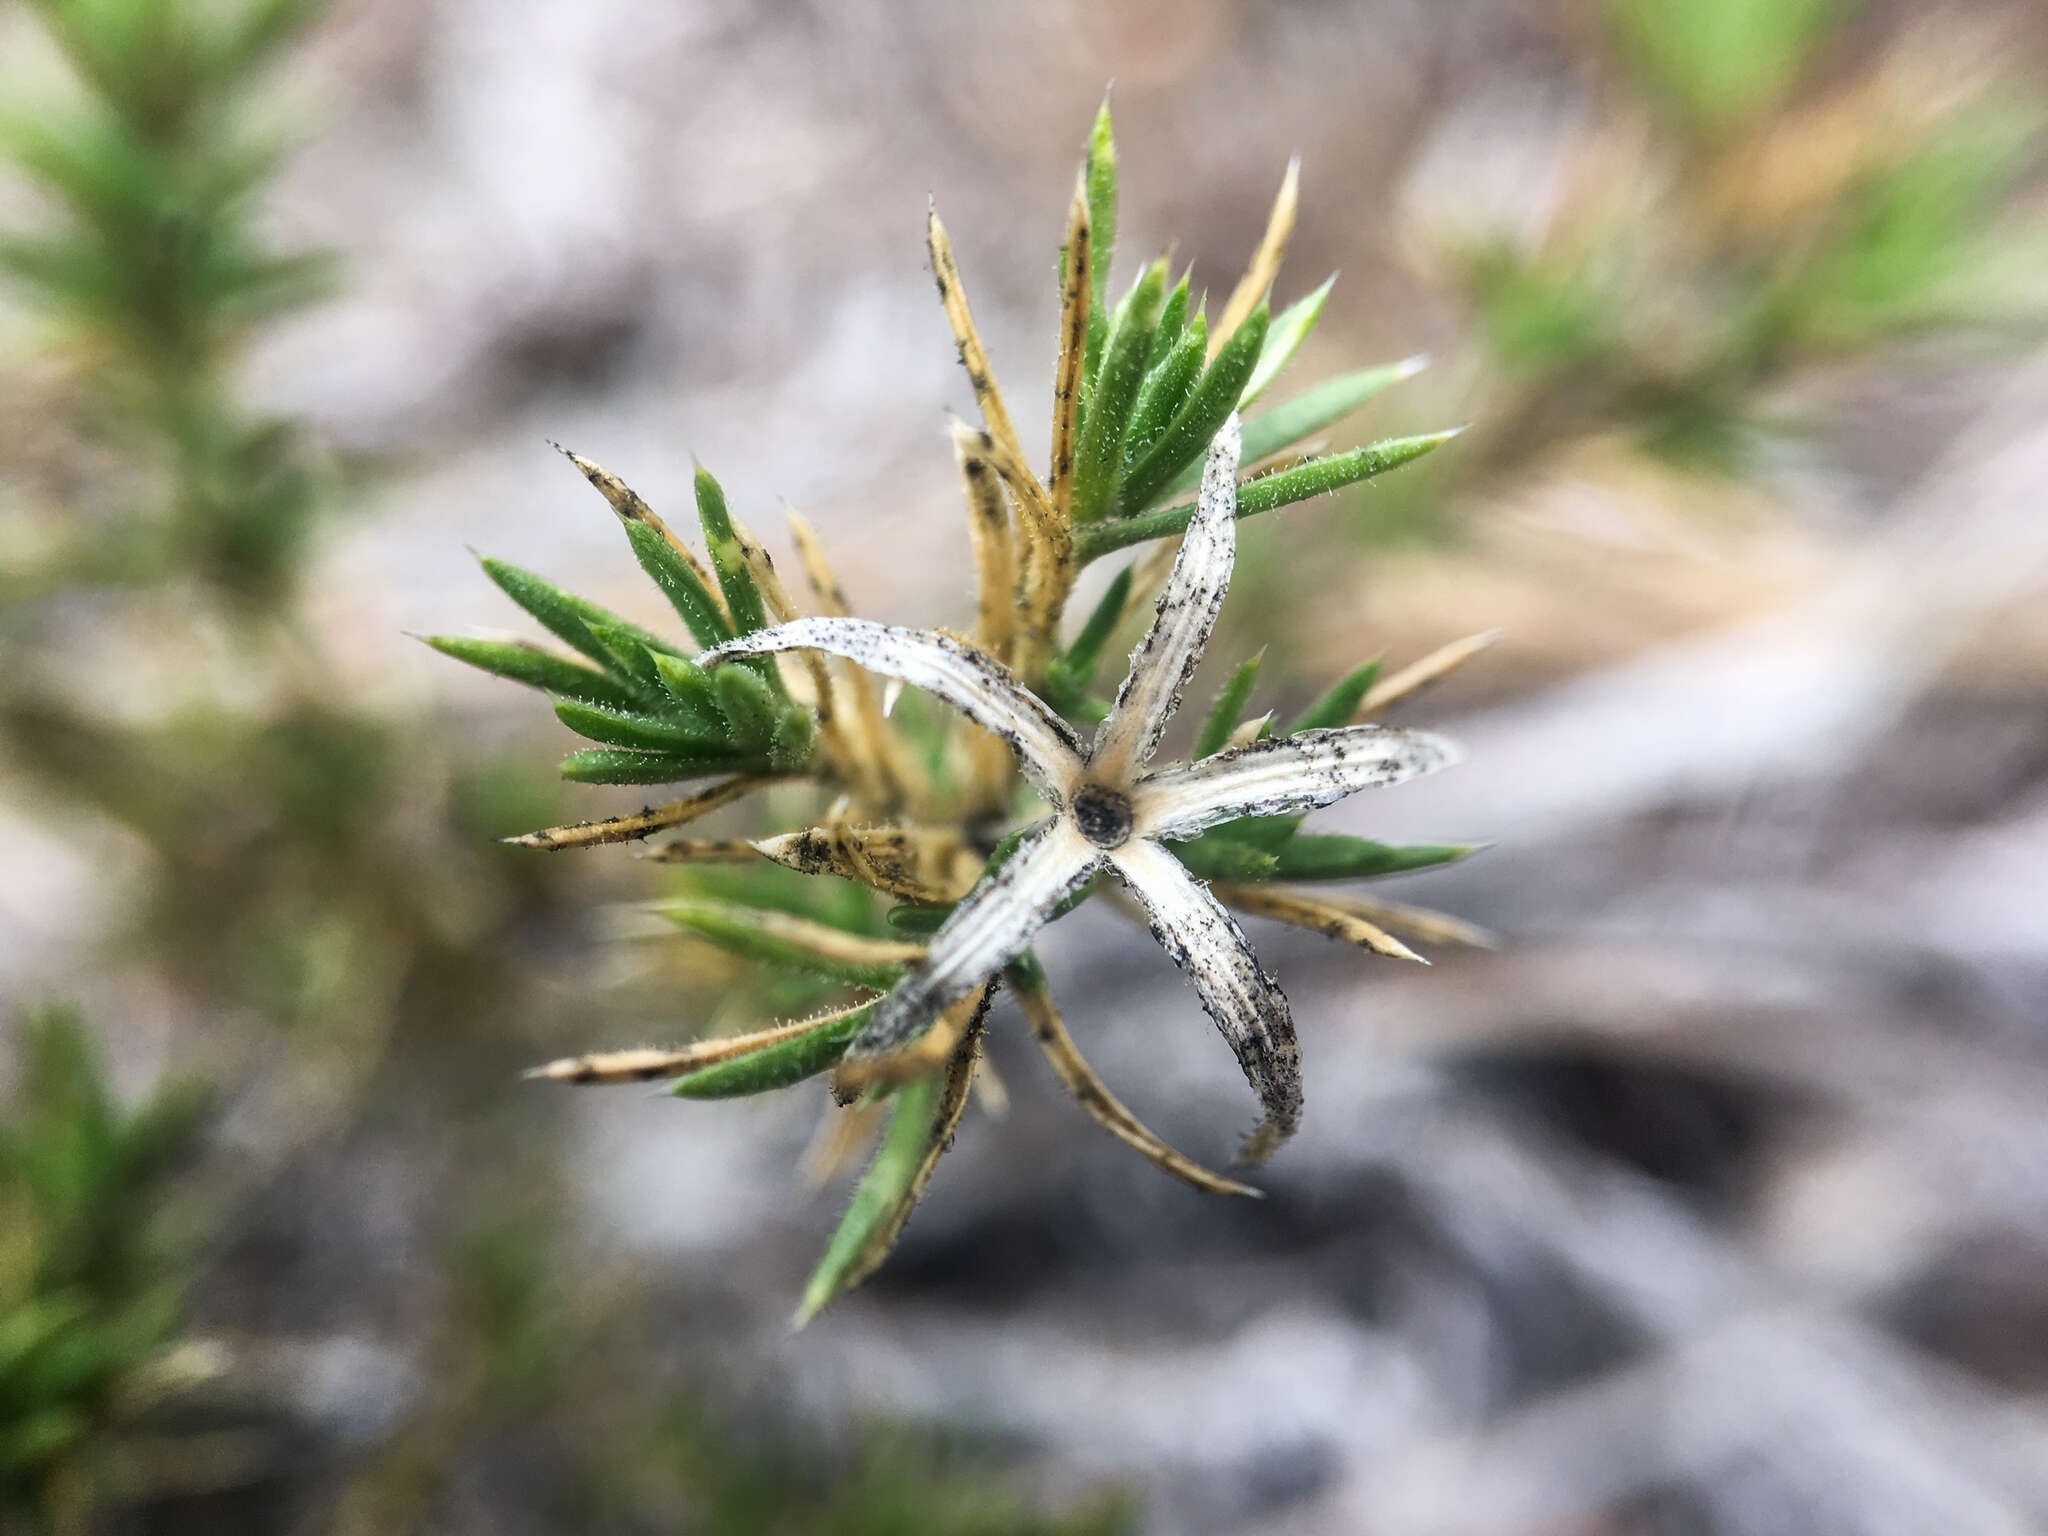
(1919, 243)
(93, 1277)
(888, 1484)
(155, 267)
(1719, 65)
(270, 896)
(259, 796)
(1770, 189)
(638, 1440)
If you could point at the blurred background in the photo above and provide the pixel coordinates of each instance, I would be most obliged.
(1713, 1199)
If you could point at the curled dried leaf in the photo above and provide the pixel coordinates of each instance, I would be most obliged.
(1093, 1095)
(921, 864)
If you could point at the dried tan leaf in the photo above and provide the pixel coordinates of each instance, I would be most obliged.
(1433, 668)
(1265, 263)
(1066, 381)
(844, 1134)
(702, 850)
(626, 829)
(924, 864)
(633, 1066)
(1104, 1107)
(1318, 913)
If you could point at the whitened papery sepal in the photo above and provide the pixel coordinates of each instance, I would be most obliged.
(1047, 750)
(1246, 1003)
(1167, 656)
(986, 932)
(1283, 776)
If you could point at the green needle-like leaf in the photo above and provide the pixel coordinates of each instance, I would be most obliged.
(1099, 183)
(691, 691)
(921, 1127)
(629, 652)
(568, 617)
(1229, 707)
(1340, 703)
(647, 733)
(881, 1198)
(1323, 856)
(775, 1067)
(1101, 191)
(743, 598)
(1268, 834)
(539, 669)
(619, 765)
(752, 709)
(1069, 675)
(1098, 460)
(759, 934)
(1284, 338)
(679, 584)
(918, 922)
(1316, 477)
(1166, 390)
(32, 1323)
(1264, 494)
(795, 733)
(1215, 857)
(1188, 435)
(1173, 319)
(1311, 411)
(728, 559)
(1025, 973)
(1085, 654)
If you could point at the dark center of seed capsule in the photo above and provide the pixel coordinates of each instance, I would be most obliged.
(1103, 815)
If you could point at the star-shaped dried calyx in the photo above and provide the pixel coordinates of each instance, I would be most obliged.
(1112, 813)
(907, 803)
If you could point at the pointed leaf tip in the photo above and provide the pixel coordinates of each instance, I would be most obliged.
(1187, 437)
(1284, 338)
(1228, 709)
(921, 1125)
